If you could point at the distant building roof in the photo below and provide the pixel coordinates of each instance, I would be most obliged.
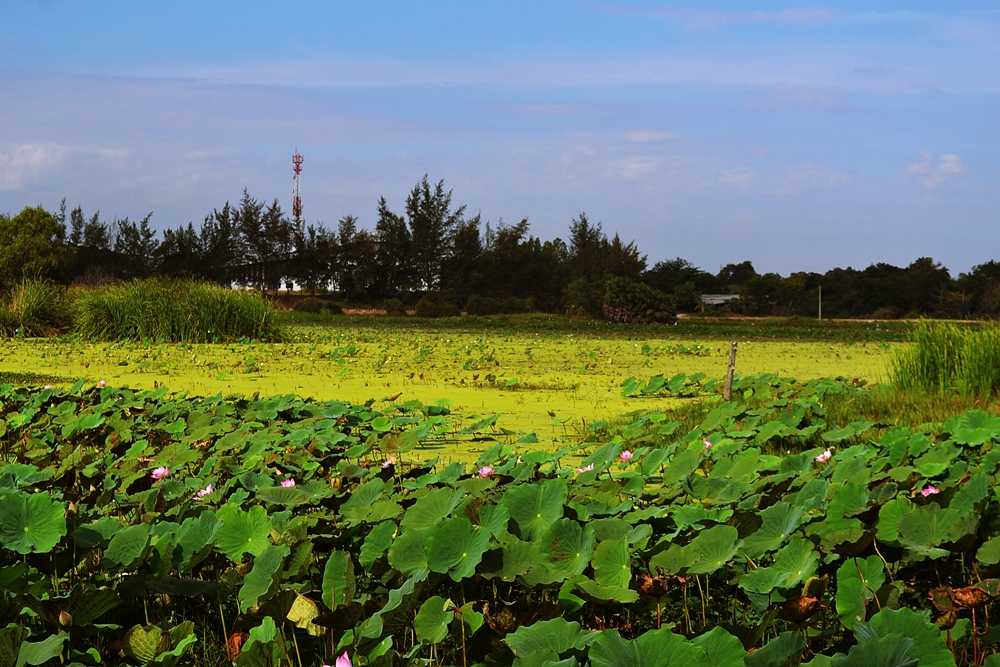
(718, 299)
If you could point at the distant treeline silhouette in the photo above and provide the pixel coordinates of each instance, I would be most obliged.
(434, 246)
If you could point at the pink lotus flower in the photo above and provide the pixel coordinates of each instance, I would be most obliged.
(485, 471)
(824, 457)
(626, 456)
(929, 490)
(708, 444)
(102, 384)
(204, 492)
(160, 473)
(343, 660)
(587, 468)
(287, 483)
(390, 461)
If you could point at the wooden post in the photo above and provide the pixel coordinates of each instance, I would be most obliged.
(727, 389)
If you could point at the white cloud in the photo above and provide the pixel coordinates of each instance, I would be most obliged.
(932, 171)
(22, 164)
(648, 136)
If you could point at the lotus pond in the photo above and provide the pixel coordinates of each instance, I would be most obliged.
(147, 528)
(543, 378)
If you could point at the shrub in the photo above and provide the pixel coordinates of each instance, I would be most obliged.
(35, 308)
(312, 304)
(435, 304)
(631, 301)
(490, 305)
(583, 297)
(946, 357)
(172, 310)
(394, 307)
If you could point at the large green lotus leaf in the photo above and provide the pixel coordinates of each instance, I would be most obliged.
(975, 427)
(458, 546)
(925, 527)
(781, 651)
(17, 475)
(300, 494)
(686, 516)
(432, 508)
(89, 535)
(40, 652)
(892, 650)
(568, 546)
(684, 464)
(127, 546)
(651, 649)
(358, 506)
(937, 459)
(972, 492)
(706, 553)
(929, 641)
(834, 531)
(431, 621)
(194, 537)
(778, 522)
(857, 581)
(848, 499)
(852, 430)
(612, 564)
(889, 517)
(377, 542)
(260, 578)
(723, 649)
(519, 557)
(88, 604)
(533, 645)
(536, 506)
(494, 518)
(338, 580)
(262, 648)
(408, 552)
(989, 552)
(31, 522)
(795, 563)
(241, 532)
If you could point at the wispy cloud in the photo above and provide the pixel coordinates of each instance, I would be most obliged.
(932, 171)
(739, 177)
(648, 136)
(23, 164)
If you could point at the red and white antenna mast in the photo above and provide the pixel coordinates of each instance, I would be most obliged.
(296, 195)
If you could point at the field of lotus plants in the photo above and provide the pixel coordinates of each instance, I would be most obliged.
(139, 527)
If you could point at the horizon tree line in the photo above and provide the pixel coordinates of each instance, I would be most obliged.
(433, 246)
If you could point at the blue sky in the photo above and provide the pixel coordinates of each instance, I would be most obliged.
(798, 135)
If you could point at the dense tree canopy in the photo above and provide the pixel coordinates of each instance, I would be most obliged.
(432, 246)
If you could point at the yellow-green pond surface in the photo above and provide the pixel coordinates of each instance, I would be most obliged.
(550, 384)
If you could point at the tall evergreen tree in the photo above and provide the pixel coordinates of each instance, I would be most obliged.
(432, 224)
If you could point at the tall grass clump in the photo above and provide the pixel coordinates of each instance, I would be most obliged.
(35, 307)
(948, 357)
(173, 310)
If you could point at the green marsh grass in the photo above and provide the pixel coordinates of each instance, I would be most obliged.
(172, 310)
(946, 357)
(35, 307)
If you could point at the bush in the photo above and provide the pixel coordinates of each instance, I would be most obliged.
(312, 304)
(435, 304)
(35, 308)
(948, 357)
(489, 305)
(394, 307)
(583, 297)
(172, 310)
(633, 302)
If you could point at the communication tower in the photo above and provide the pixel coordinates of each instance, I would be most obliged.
(296, 195)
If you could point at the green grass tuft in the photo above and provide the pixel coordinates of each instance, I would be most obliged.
(173, 310)
(35, 308)
(946, 357)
